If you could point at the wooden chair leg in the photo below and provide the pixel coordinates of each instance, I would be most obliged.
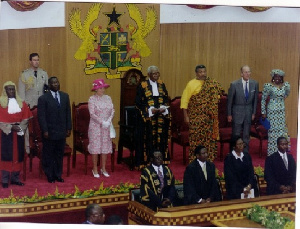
(120, 153)
(74, 158)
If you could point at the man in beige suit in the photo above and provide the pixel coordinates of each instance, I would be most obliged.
(31, 86)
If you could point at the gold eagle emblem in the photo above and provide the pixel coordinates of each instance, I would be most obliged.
(83, 31)
(139, 33)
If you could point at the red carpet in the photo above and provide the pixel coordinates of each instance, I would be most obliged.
(121, 173)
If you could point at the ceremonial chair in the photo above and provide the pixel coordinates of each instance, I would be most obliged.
(81, 120)
(225, 129)
(128, 112)
(179, 129)
(257, 130)
(36, 144)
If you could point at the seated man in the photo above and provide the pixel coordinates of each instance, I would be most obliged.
(199, 181)
(94, 214)
(280, 170)
(157, 184)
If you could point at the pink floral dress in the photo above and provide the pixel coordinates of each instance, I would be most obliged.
(101, 109)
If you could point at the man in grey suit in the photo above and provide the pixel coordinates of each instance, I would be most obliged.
(241, 104)
(54, 114)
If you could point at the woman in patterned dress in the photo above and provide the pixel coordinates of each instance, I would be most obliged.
(274, 111)
(101, 113)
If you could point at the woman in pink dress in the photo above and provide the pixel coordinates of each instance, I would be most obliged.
(101, 111)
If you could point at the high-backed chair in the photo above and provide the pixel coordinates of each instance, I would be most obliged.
(81, 120)
(225, 129)
(36, 144)
(179, 129)
(257, 130)
(129, 83)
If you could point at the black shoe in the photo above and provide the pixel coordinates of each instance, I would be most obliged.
(19, 183)
(5, 185)
(50, 180)
(59, 179)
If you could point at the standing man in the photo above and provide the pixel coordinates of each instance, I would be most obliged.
(31, 86)
(241, 105)
(54, 114)
(157, 184)
(199, 102)
(14, 116)
(199, 181)
(280, 170)
(32, 81)
(153, 119)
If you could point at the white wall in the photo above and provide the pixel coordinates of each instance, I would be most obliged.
(185, 14)
(49, 14)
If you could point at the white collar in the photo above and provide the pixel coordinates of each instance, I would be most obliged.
(154, 87)
(201, 163)
(282, 154)
(236, 156)
(156, 168)
(13, 106)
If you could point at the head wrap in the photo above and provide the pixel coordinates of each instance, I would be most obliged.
(277, 72)
(4, 98)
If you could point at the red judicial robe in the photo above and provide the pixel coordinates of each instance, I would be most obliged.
(12, 145)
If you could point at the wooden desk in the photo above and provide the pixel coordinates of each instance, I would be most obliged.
(245, 222)
(203, 214)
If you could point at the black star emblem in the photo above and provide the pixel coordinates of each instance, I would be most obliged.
(113, 17)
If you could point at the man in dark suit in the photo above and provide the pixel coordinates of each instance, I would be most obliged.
(241, 104)
(94, 214)
(280, 170)
(157, 184)
(54, 114)
(199, 181)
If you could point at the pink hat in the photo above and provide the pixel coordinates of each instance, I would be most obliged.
(99, 83)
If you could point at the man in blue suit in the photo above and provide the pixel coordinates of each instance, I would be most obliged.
(54, 114)
(241, 104)
(280, 170)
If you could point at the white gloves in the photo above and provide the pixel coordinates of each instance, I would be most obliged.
(106, 124)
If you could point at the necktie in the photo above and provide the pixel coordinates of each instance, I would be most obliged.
(161, 178)
(246, 91)
(285, 162)
(58, 104)
(35, 74)
(204, 170)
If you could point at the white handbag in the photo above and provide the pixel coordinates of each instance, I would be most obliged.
(112, 131)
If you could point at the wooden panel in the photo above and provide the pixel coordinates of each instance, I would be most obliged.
(78, 83)
(224, 48)
(176, 49)
(202, 214)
